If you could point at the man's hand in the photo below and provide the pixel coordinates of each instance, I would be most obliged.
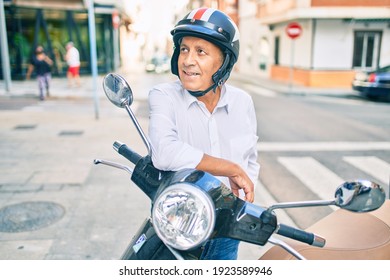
(237, 176)
(242, 182)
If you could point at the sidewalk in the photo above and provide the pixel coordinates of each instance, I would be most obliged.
(285, 88)
(58, 87)
(54, 202)
(30, 88)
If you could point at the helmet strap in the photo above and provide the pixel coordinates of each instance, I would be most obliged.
(200, 93)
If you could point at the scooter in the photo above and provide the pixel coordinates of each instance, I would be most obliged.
(190, 207)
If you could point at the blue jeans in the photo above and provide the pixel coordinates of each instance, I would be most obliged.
(220, 249)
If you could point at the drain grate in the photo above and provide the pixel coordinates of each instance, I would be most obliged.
(71, 133)
(28, 216)
(25, 126)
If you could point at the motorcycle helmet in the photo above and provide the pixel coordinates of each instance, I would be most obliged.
(216, 27)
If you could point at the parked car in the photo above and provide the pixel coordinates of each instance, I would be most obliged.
(158, 64)
(373, 84)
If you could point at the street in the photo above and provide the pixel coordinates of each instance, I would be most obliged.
(311, 144)
(308, 145)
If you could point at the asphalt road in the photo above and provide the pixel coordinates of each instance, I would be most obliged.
(310, 144)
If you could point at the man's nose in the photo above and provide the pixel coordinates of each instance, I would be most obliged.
(189, 58)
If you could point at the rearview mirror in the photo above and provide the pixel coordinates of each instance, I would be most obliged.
(119, 93)
(360, 196)
(117, 90)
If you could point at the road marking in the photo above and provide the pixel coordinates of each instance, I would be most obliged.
(33, 108)
(259, 91)
(321, 146)
(319, 179)
(371, 165)
(323, 182)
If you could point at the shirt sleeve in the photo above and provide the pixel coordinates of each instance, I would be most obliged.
(168, 151)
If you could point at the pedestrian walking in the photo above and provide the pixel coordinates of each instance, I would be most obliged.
(41, 63)
(72, 58)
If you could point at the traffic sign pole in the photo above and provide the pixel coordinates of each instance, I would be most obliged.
(292, 66)
(115, 24)
(293, 30)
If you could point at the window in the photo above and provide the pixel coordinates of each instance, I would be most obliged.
(263, 53)
(366, 49)
(276, 50)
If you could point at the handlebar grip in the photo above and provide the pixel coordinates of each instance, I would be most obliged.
(125, 151)
(301, 235)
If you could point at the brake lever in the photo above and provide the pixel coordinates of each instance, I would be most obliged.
(113, 164)
(286, 247)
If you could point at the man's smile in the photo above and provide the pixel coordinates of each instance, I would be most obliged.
(188, 73)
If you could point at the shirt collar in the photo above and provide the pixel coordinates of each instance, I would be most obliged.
(222, 103)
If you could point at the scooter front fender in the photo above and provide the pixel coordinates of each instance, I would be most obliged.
(146, 245)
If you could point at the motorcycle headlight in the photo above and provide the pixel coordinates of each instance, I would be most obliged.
(183, 216)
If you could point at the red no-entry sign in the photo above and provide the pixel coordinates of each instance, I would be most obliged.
(293, 30)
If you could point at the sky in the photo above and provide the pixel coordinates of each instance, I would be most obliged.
(154, 23)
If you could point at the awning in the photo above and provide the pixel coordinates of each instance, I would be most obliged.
(51, 4)
(100, 6)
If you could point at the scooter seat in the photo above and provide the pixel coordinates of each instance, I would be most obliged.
(349, 236)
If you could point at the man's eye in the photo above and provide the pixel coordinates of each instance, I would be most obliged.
(183, 49)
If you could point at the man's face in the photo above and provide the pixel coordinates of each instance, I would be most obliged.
(198, 61)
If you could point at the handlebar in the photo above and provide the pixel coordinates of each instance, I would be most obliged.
(125, 151)
(144, 175)
(301, 235)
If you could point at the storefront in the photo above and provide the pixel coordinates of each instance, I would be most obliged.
(54, 23)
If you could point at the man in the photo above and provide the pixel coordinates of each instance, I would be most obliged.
(200, 122)
(72, 58)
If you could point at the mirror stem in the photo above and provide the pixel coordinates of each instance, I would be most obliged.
(301, 204)
(139, 129)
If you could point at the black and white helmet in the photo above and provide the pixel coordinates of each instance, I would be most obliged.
(216, 27)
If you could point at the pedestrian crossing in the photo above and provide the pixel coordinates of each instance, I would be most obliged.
(321, 180)
(374, 166)
(315, 176)
(259, 90)
(322, 146)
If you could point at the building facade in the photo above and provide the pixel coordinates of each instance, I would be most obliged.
(52, 23)
(337, 39)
